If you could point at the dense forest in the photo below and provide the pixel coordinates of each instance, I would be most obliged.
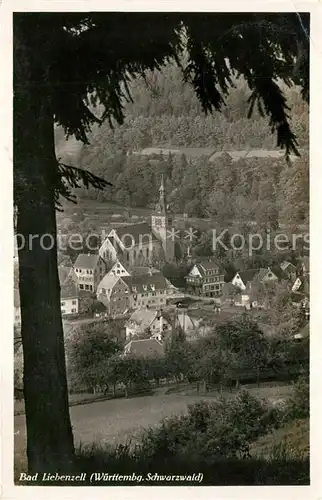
(166, 113)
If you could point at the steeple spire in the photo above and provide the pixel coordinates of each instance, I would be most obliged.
(161, 207)
(161, 189)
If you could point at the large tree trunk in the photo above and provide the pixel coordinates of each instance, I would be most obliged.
(49, 433)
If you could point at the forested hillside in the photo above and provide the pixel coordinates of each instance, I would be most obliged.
(165, 112)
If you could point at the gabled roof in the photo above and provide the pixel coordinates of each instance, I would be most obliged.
(142, 270)
(259, 274)
(248, 275)
(118, 265)
(136, 231)
(87, 261)
(303, 287)
(108, 282)
(286, 265)
(305, 262)
(279, 272)
(69, 289)
(146, 283)
(207, 266)
(186, 322)
(142, 318)
(144, 348)
(262, 273)
(66, 272)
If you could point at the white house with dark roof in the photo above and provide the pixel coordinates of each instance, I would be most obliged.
(69, 300)
(69, 295)
(114, 293)
(89, 269)
(151, 322)
(150, 291)
(207, 278)
(288, 268)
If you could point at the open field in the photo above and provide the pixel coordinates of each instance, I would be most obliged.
(119, 420)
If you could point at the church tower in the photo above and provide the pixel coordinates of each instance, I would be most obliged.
(162, 224)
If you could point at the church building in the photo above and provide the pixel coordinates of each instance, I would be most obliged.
(143, 243)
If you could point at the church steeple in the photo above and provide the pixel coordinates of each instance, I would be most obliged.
(162, 223)
(161, 207)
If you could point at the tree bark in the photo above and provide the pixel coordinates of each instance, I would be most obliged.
(49, 433)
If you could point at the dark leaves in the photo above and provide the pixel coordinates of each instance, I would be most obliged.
(69, 178)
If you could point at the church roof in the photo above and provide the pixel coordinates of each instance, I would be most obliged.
(136, 231)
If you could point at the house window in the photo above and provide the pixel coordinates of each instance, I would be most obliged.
(74, 302)
(62, 303)
(81, 287)
(73, 310)
(91, 287)
(86, 287)
(117, 271)
(147, 252)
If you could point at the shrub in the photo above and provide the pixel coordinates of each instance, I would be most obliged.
(211, 431)
(298, 405)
